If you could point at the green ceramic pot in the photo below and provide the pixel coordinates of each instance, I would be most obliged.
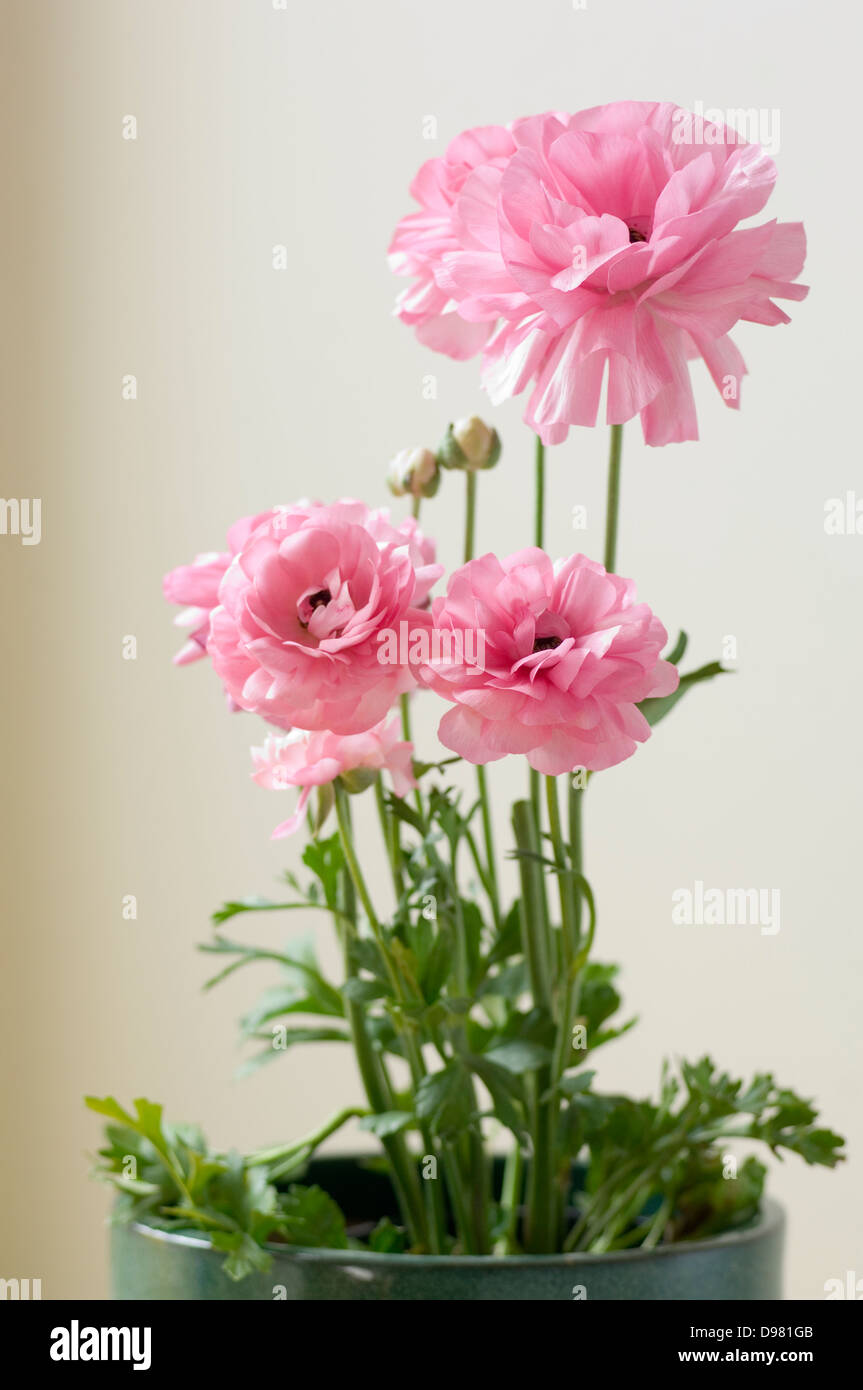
(150, 1264)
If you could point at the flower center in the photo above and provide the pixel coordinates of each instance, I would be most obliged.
(546, 644)
(311, 602)
(636, 235)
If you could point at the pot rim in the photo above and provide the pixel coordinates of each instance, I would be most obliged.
(770, 1219)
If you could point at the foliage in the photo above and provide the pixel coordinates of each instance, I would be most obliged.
(661, 1172)
(653, 1172)
(168, 1176)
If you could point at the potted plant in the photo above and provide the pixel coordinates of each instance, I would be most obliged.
(566, 250)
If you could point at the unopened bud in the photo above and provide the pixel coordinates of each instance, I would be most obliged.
(414, 472)
(470, 444)
(358, 779)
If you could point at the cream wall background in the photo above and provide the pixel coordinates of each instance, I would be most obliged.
(303, 126)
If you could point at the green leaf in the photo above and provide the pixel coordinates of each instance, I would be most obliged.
(364, 991)
(443, 1098)
(678, 651)
(472, 925)
(180, 1184)
(509, 983)
(420, 768)
(576, 1083)
(387, 1239)
(657, 1170)
(283, 1001)
(235, 907)
(287, 1038)
(519, 1056)
(508, 940)
(599, 1000)
(387, 1122)
(365, 954)
(657, 708)
(438, 964)
(506, 1091)
(404, 812)
(245, 1256)
(110, 1109)
(308, 1216)
(325, 860)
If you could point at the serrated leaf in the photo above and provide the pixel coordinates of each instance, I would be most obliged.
(308, 1216)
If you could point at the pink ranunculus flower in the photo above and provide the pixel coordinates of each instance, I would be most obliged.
(611, 248)
(303, 610)
(196, 588)
(309, 760)
(423, 238)
(568, 654)
(419, 547)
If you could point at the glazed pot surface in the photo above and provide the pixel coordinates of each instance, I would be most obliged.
(150, 1264)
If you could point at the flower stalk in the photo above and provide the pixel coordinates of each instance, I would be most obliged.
(613, 499)
(541, 1191)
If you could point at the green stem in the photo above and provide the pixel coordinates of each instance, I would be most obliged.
(475, 1158)
(539, 476)
(564, 882)
(538, 540)
(483, 876)
(416, 503)
(613, 507)
(659, 1223)
(576, 851)
(572, 935)
(389, 827)
(413, 1051)
(541, 1225)
(488, 837)
(469, 514)
(625, 1209)
(347, 841)
(568, 892)
(264, 1157)
(534, 912)
(470, 1224)
(379, 1092)
(604, 1204)
(491, 870)
(458, 1198)
(405, 709)
(510, 1199)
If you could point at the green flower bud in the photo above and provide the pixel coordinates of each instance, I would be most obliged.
(470, 444)
(414, 472)
(359, 779)
(324, 803)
